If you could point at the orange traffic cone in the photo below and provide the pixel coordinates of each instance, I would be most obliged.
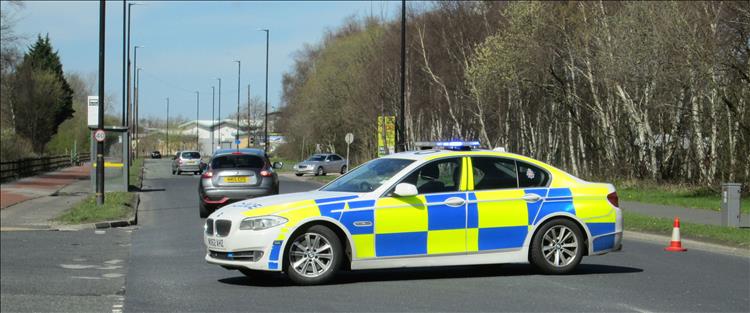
(675, 245)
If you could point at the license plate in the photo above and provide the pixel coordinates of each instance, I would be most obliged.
(235, 179)
(191, 162)
(216, 243)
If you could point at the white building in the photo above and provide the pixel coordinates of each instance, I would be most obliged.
(224, 132)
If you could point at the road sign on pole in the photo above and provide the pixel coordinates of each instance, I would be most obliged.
(99, 135)
(349, 138)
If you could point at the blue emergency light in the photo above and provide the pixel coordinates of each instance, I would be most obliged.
(457, 145)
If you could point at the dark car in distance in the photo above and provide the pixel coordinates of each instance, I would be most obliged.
(236, 174)
(155, 154)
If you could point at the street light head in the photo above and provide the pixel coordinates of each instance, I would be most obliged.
(140, 46)
(263, 29)
(238, 61)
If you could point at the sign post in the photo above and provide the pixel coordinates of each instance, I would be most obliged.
(349, 138)
(100, 113)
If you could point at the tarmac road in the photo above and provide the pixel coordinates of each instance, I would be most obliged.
(159, 266)
(167, 272)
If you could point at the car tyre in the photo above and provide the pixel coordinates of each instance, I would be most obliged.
(173, 172)
(319, 171)
(298, 174)
(203, 211)
(317, 266)
(553, 242)
(343, 170)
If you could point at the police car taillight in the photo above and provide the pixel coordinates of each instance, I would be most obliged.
(613, 199)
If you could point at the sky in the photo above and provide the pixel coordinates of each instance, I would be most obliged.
(188, 44)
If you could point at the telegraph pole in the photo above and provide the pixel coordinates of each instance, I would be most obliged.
(100, 122)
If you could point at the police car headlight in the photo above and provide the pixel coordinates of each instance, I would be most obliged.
(262, 222)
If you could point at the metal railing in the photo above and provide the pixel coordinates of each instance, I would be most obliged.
(13, 170)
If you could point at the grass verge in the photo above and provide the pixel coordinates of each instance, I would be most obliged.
(135, 173)
(675, 195)
(117, 205)
(736, 237)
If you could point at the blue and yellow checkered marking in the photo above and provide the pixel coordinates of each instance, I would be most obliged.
(491, 220)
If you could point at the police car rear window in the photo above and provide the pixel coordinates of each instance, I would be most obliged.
(531, 176)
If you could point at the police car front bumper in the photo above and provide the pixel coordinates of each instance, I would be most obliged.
(251, 249)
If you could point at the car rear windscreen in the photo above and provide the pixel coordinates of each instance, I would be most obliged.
(237, 161)
(191, 155)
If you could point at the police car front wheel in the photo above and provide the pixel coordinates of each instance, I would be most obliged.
(314, 256)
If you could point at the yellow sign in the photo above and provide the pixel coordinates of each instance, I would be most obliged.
(109, 164)
(386, 135)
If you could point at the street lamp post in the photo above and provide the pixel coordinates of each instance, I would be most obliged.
(219, 112)
(197, 111)
(213, 117)
(133, 113)
(137, 106)
(248, 116)
(237, 132)
(265, 122)
(124, 62)
(168, 126)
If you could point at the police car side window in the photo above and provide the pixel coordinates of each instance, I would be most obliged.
(531, 176)
(494, 173)
(437, 176)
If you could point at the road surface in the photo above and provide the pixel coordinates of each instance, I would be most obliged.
(159, 266)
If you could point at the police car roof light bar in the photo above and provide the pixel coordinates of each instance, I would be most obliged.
(448, 145)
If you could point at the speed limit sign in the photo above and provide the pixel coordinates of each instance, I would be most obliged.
(99, 135)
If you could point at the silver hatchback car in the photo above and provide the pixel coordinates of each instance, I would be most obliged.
(233, 175)
(186, 161)
(321, 164)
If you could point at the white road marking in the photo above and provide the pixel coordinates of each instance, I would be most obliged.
(76, 266)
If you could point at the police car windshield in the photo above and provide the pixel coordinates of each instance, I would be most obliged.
(317, 157)
(369, 176)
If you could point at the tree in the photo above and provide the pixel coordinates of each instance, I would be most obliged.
(41, 98)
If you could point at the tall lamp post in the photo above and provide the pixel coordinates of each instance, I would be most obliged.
(265, 122)
(248, 116)
(237, 133)
(401, 146)
(168, 126)
(213, 117)
(137, 106)
(197, 111)
(219, 111)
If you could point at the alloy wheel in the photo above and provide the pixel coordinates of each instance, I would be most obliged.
(559, 246)
(311, 255)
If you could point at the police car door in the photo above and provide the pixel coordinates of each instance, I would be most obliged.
(498, 212)
(431, 223)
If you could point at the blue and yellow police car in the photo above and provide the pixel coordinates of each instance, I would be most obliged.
(451, 204)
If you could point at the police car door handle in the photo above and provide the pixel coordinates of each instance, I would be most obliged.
(532, 197)
(454, 202)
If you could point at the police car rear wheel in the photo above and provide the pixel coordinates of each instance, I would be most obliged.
(557, 247)
(314, 256)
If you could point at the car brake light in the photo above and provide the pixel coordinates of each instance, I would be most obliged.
(237, 153)
(265, 173)
(207, 174)
(613, 199)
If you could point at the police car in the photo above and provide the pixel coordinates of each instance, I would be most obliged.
(451, 204)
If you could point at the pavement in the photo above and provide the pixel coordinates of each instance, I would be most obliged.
(41, 199)
(42, 185)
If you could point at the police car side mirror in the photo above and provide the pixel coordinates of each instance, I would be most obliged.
(405, 190)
